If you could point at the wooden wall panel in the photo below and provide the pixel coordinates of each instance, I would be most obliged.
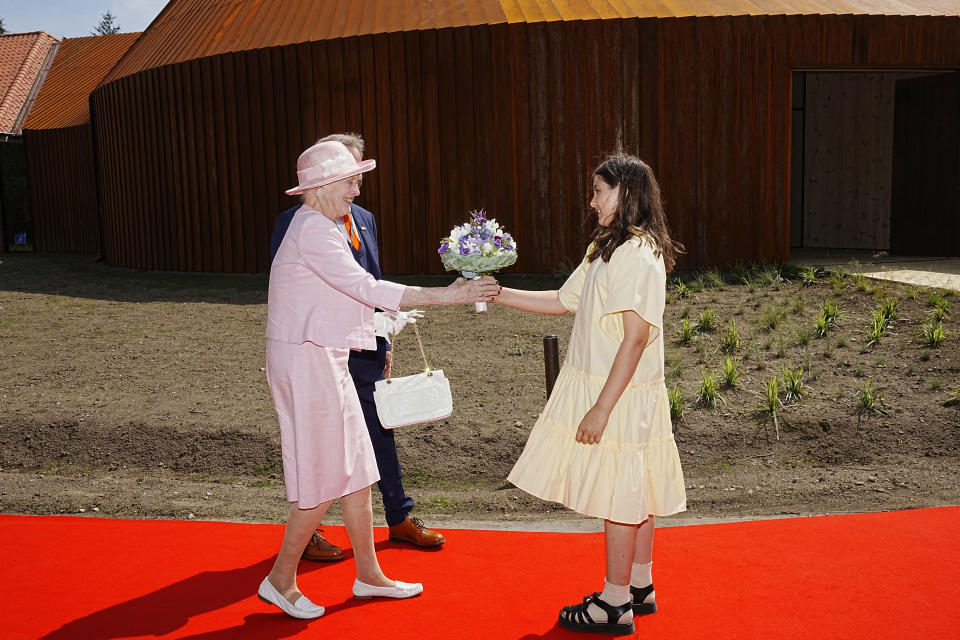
(62, 189)
(512, 117)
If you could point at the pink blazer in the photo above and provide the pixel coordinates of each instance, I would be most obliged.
(318, 293)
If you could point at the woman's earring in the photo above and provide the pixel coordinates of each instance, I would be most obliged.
(320, 192)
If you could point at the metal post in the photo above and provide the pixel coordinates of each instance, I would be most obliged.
(551, 361)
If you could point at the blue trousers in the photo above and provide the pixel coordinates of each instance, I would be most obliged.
(366, 367)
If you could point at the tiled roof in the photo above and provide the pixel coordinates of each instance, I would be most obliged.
(23, 58)
(80, 65)
(189, 29)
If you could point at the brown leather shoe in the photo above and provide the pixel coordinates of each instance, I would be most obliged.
(319, 550)
(412, 530)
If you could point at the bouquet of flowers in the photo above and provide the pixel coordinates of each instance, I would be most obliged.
(478, 247)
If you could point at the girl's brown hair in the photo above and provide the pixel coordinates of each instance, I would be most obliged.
(639, 211)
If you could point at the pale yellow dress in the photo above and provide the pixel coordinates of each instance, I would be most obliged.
(635, 469)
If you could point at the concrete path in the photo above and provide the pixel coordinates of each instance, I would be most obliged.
(940, 272)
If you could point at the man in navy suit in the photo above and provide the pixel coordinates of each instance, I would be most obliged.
(366, 367)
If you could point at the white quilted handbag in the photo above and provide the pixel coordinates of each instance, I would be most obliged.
(423, 397)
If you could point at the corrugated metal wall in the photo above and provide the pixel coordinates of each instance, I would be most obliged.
(195, 156)
(63, 189)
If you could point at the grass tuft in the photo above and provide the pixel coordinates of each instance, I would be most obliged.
(708, 394)
(675, 396)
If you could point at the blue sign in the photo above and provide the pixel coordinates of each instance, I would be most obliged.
(20, 238)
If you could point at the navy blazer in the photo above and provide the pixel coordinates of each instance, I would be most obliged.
(366, 367)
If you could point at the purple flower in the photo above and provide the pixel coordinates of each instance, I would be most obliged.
(443, 247)
(464, 250)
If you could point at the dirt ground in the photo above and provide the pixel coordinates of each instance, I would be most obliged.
(137, 394)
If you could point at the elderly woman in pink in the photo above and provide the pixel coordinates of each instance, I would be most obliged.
(320, 306)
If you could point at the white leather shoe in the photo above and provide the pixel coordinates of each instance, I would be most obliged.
(364, 591)
(302, 608)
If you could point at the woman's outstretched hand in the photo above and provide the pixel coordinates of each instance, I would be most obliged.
(484, 289)
(592, 426)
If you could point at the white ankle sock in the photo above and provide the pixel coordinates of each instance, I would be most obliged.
(615, 594)
(641, 575)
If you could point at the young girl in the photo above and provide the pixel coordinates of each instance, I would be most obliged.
(603, 445)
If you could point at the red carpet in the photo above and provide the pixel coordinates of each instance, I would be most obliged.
(887, 575)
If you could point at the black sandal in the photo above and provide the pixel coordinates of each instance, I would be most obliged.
(576, 618)
(641, 608)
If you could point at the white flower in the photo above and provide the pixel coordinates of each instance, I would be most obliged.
(458, 232)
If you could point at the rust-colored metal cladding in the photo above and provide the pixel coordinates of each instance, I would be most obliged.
(506, 105)
(79, 66)
(59, 146)
(188, 29)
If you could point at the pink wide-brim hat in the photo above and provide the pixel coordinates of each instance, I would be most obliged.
(327, 162)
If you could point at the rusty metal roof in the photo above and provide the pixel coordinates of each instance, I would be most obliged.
(188, 29)
(80, 65)
(23, 59)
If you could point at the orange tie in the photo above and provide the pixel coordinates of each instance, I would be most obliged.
(354, 238)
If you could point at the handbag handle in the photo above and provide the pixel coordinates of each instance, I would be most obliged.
(423, 354)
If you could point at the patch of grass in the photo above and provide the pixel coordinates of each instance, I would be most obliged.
(937, 314)
(708, 393)
(681, 290)
(809, 275)
(713, 279)
(889, 308)
(686, 312)
(768, 275)
(877, 328)
(935, 383)
(827, 352)
(932, 333)
(870, 401)
(880, 361)
(707, 321)
(740, 273)
(827, 318)
(675, 396)
(953, 399)
(793, 387)
(781, 346)
(799, 304)
(912, 293)
(687, 331)
(697, 284)
(436, 504)
(938, 300)
(841, 342)
(730, 341)
(768, 410)
(731, 372)
(860, 282)
(911, 368)
(771, 317)
(838, 280)
(701, 349)
(803, 336)
(924, 354)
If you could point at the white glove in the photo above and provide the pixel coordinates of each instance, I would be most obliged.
(387, 322)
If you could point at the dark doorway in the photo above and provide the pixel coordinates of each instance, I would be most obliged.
(925, 199)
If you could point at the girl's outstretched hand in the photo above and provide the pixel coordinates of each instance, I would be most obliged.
(592, 426)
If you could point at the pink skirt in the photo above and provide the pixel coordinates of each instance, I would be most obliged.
(323, 437)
